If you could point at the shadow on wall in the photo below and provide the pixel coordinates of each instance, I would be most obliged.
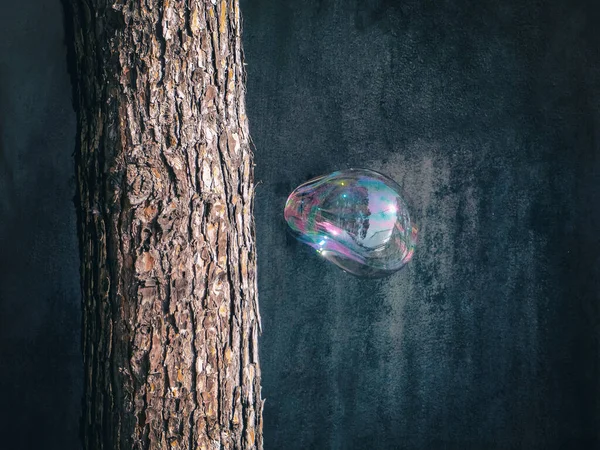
(40, 362)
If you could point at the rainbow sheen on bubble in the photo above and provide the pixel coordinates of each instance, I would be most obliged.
(355, 219)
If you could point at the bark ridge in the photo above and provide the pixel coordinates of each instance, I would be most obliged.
(165, 194)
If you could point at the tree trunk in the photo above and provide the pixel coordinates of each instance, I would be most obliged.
(165, 196)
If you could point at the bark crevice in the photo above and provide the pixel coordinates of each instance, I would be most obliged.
(165, 197)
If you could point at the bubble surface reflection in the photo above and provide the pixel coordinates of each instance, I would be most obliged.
(355, 219)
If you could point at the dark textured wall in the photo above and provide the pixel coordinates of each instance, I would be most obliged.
(488, 115)
(40, 362)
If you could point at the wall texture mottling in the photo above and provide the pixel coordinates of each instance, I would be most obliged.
(40, 362)
(487, 113)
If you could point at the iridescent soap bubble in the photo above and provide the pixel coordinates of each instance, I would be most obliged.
(356, 219)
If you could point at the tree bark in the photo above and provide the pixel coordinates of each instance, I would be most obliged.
(165, 196)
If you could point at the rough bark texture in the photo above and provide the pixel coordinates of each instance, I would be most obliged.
(165, 192)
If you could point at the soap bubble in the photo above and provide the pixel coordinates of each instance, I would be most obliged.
(356, 219)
